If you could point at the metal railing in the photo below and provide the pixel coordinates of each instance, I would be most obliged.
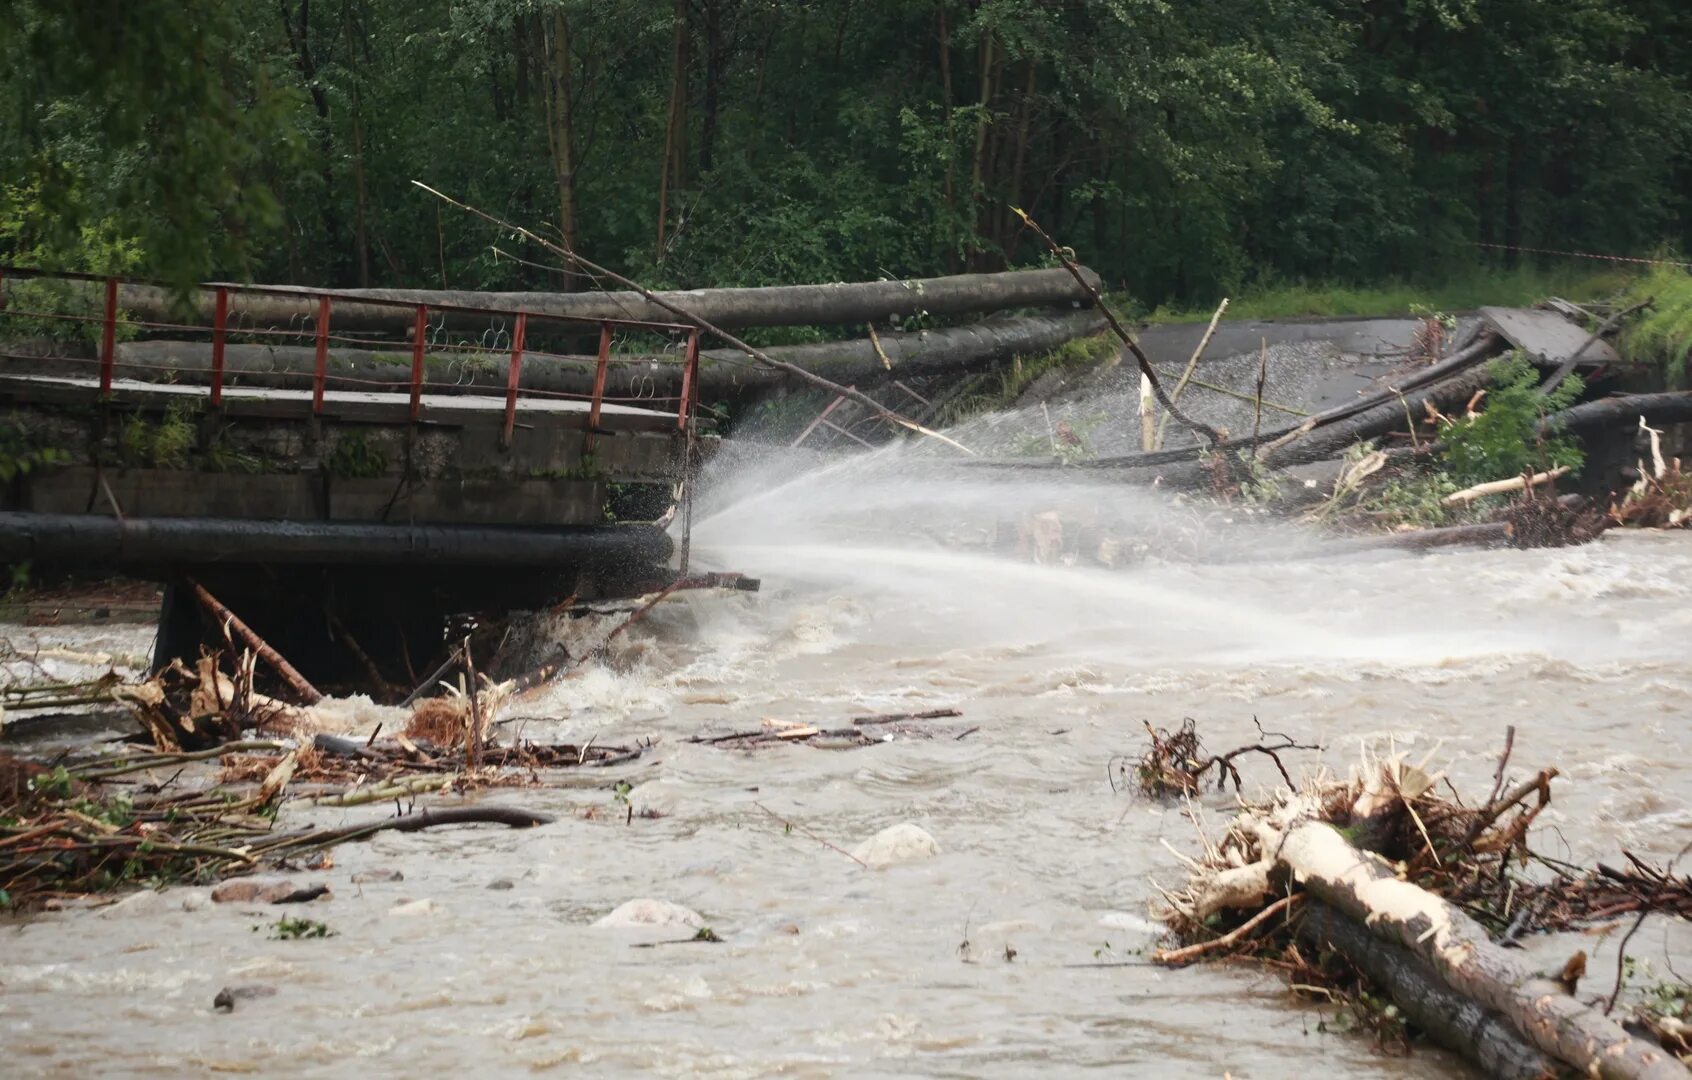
(106, 315)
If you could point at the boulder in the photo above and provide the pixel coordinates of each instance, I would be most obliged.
(901, 843)
(646, 912)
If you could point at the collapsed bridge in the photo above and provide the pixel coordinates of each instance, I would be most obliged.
(345, 468)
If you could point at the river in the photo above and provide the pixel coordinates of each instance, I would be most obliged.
(883, 592)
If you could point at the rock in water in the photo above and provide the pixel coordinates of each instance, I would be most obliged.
(901, 843)
(652, 913)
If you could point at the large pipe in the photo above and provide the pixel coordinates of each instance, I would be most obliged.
(110, 541)
(782, 305)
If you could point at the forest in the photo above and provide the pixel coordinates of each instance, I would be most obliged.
(1184, 150)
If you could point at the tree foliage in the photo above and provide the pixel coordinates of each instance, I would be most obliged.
(1503, 439)
(1181, 149)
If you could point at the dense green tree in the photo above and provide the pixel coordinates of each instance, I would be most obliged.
(1181, 149)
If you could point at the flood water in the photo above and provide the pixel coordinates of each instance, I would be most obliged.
(883, 591)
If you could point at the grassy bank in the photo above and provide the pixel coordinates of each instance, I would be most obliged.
(1662, 335)
(1465, 292)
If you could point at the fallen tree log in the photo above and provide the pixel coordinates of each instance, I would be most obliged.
(782, 305)
(1401, 865)
(1483, 1036)
(722, 372)
(1671, 407)
(1364, 887)
(1318, 437)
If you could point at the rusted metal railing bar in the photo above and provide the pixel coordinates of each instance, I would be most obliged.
(513, 377)
(419, 341)
(108, 337)
(690, 382)
(220, 321)
(320, 370)
(598, 400)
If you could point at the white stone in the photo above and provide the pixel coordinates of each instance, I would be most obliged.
(415, 907)
(901, 843)
(646, 912)
(193, 899)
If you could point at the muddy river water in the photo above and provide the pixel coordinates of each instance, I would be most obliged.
(484, 959)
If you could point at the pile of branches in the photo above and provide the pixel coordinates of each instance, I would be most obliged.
(1386, 886)
(1662, 496)
(1176, 763)
(87, 827)
(68, 832)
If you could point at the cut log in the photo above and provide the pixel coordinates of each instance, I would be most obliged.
(1318, 437)
(722, 372)
(1505, 486)
(785, 305)
(1364, 887)
(1672, 407)
(1453, 1021)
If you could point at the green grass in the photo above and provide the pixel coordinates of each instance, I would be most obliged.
(1662, 336)
(1514, 288)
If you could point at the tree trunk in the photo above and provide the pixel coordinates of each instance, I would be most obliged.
(783, 305)
(943, 37)
(1019, 158)
(715, 56)
(632, 379)
(1364, 887)
(672, 125)
(1453, 1021)
(559, 133)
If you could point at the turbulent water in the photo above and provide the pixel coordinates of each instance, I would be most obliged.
(890, 588)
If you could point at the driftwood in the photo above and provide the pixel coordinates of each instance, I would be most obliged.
(630, 377)
(308, 693)
(1450, 1019)
(1387, 868)
(785, 305)
(1364, 887)
(1504, 487)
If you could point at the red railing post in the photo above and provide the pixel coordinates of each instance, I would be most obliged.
(513, 375)
(320, 374)
(220, 322)
(690, 378)
(108, 338)
(418, 333)
(599, 373)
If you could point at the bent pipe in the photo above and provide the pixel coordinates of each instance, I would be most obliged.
(182, 541)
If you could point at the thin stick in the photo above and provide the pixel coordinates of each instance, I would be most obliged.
(1503, 760)
(1210, 434)
(307, 692)
(434, 677)
(159, 761)
(1621, 960)
(682, 313)
(1174, 957)
(806, 832)
(1192, 365)
(1262, 377)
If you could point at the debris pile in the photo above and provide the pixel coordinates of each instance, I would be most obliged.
(1383, 887)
